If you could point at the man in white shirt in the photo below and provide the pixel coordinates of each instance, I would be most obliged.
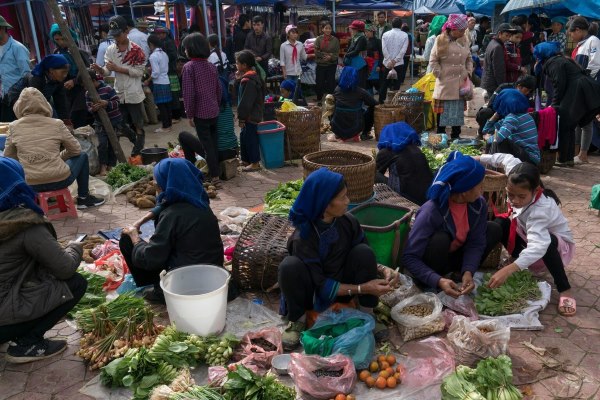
(126, 59)
(394, 44)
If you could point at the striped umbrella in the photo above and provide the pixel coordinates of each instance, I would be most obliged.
(514, 5)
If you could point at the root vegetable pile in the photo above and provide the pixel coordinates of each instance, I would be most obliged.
(88, 245)
(142, 194)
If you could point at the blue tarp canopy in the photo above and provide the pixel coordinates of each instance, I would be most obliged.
(436, 6)
(367, 5)
(587, 8)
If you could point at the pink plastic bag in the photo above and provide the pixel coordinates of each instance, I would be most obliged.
(255, 352)
(303, 367)
(434, 360)
(463, 305)
(103, 249)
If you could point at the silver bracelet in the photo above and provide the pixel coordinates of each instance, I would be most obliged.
(350, 292)
(359, 292)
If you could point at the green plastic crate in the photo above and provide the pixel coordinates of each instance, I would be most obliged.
(386, 227)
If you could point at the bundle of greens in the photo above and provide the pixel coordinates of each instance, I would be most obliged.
(279, 201)
(510, 298)
(112, 312)
(243, 384)
(437, 158)
(123, 173)
(198, 393)
(492, 378)
(94, 295)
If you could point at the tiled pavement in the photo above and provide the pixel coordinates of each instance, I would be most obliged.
(570, 368)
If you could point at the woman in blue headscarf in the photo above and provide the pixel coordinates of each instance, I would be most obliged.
(39, 285)
(399, 152)
(76, 92)
(574, 96)
(187, 231)
(451, 234)
(329, 259)
(48, 76)
(513, 130)
(350, 118)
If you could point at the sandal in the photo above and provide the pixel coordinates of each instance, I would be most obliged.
(250, 168)
(564, 303)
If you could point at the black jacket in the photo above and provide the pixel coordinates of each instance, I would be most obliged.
(184, 235)
(54, 92)
(170, 48)
(251, 94)
(494, 72)
(355, 48)
(239, 38)
(374, 46)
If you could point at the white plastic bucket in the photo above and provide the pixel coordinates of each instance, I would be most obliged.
(196, 297)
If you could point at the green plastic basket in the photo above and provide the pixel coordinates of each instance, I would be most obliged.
(386, 227)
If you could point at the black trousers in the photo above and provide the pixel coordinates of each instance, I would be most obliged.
(393, 84)
(6, 112)
(190, 144)
(31, 332)
(442, 129)
(325, 80)
(439, 258)
(298, 288)
(566, 142)
(369, 117)
(552, 258)
(166, 114)
(142, 277)
(206, 129)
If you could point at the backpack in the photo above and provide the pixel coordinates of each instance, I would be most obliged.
(224, 70)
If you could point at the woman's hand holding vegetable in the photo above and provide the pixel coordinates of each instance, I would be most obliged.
(502, 275)
(449, 287)
(391, 276)
(467, 283)
(132, 232)
(376, 287)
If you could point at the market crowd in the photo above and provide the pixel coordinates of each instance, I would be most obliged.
(330, 260)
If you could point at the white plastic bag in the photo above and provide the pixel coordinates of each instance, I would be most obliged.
(412, 326)
(86, 136)
(392, 74)
(475, 340)
(406, 289)
(234, 215)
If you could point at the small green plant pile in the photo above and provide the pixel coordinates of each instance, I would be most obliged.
(123, 173)
(279, 201)
(510, 298)
(243, 384)
(491, 380)
(94, 294)
(437, 158)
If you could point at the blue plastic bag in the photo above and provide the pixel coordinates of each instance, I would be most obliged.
(357, 343)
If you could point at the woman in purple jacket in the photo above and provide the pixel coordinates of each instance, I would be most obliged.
(451, 234)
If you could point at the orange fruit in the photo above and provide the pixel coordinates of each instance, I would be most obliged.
(384, 365)
(340, 397)
(381, 383)
(374, 367)
(397, 376)
(390, 371)
(364, 374)
(391, 359)
(384, 374)
(381, 358)
(391, 383)
(400, 369)
(370, 381)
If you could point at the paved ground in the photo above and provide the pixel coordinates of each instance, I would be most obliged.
(570, 368)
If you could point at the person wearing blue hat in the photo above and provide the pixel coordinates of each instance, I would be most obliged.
(451, 235)
(187, 231)
(330, 260)
(40, 284)
(558, 32)
(400, 155)
(291, 91)
(512, 129)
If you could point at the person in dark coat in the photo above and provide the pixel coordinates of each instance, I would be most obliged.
(187, 231)
(374, 58)
(39, 285)
(451, 233)
(575, 95)
(241, 30)
(358, 48)
(329, 259)
(349, 118)
(494, 70)
(399, 152)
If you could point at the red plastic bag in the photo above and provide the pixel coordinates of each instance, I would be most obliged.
(113, 267)
(254, 350)
(303, 370)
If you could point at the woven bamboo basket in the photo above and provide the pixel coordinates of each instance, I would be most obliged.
(390, 96)
(385, 115)
(302, 132)
(387, 195)
(548, 159)
(261, 247)
(494, 192)
(358, 170)
(412, 106)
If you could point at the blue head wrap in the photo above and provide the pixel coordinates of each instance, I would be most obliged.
(544, 51)
(289, 85)
(181, 182)
(317, 192)
(397, 136)
(14, 192)
(55, 29)
(511, 101)
(458, 175)
(51, 61)
(560, 20)
(348, 79)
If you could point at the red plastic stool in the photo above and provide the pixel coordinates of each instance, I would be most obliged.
(64, 204)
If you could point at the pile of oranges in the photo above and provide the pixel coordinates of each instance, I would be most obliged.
(342, 396)
(382, 373)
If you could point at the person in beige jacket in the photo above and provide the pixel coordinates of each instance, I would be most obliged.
(451, 64)
(35, 140)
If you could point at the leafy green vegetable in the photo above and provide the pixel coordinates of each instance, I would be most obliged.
(94, 295)
(437, 158)
(509, 298)
(113, 311)
(243, 384)
(198, 393)
(279, 201)
(123, 173)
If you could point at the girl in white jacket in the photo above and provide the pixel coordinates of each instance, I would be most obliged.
(534, 229)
